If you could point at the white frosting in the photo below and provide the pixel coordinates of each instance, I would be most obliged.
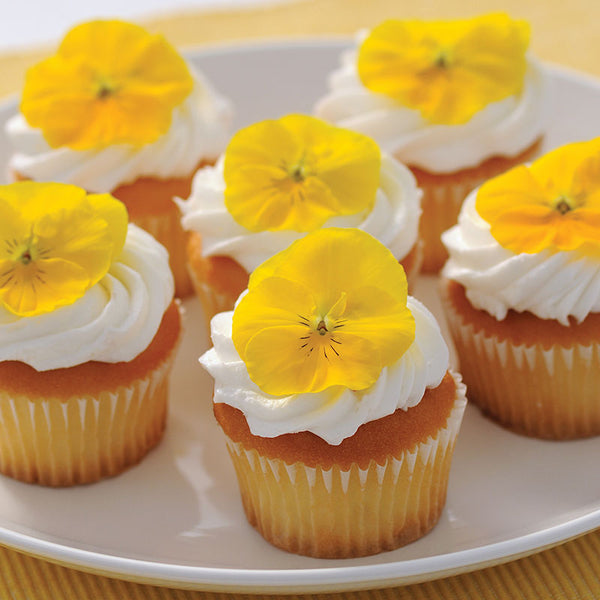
(199, 130)
(504, 128)
(114, 321)
(337, 412)
(551, 285)
(393, 220)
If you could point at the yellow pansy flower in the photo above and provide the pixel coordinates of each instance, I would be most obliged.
(328, 311)
(447, 70)
(552, 204)
(55, 243)
(296, 172)
(110, 82)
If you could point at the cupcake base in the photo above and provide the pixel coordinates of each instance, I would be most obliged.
(354, 507)
(150, 205)
(443, 195)
(533, 376)
(78, 425)
(217, 280)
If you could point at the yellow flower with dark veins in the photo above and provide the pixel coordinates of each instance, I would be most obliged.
(296, 172)
(447, 70)
(55, 243)
(110, 82)
(330, 310)
(553, 204)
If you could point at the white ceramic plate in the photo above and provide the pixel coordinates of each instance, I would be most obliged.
(176, 519)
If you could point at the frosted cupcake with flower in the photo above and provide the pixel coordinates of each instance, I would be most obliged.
(457, 101)
(88, 331)
(522, 289)
(117, 109)
(333, 390)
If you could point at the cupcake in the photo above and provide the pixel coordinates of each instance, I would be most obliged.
(88, 330)
(457, 101)
(522, 294)
(333, 391)
(117, 110)
(280, 179)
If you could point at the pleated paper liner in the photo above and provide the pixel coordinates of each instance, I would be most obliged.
(54, 433)
(349, 512)
(167, 230)
(443, 195)
(219, 280)
(83, 439)
(150, 205)
(549, 391)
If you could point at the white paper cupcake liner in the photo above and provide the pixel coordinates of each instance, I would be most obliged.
(82, 439)
(441, 204)
(547, 392)
(167, 229)
(211, 300)
(334, 512)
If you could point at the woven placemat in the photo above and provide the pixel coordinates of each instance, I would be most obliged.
(563, 32)
(566, 572)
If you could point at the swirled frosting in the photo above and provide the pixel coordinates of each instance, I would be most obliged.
(393, 220)
(114, 321)
(337, 412)
(551, 285)
(199, 130)
(504, 128)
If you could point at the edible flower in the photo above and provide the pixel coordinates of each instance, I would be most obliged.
(447, 70)
(56, 242)
(296, 172)
(330, 310)
(552, 204)
(110, 82)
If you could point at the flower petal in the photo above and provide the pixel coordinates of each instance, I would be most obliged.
(330, 310)
(276, 302)
(372, 313)
(36, 289)
(278, 365)
(333, 260)
(447, 70)
(297, 172)
(109, 83)
(554, 204)
(56, 243)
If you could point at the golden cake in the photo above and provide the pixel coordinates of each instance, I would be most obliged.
(333, 391)
(522, 294)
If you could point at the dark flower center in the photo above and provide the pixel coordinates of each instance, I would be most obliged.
(563, 206)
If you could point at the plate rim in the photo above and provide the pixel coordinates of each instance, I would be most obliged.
(295, 580)
(303, 580)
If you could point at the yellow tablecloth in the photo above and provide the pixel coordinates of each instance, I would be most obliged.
(563, 32)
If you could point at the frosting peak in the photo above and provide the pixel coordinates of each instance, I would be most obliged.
(551, 285)
(505, 127)
(393, 219)
(113, 321)
(198, 130)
